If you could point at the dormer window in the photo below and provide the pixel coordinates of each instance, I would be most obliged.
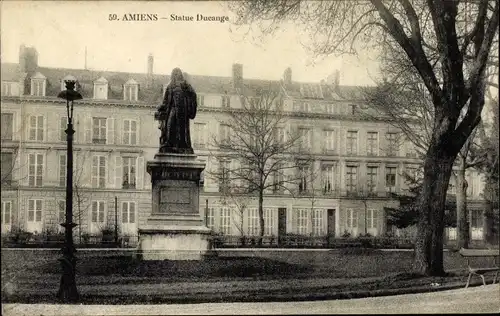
(226, 101)
(101, 89)
(130, 90)
(68, 78)
(38, 82)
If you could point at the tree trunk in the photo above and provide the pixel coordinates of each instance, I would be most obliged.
(463, 235)
(490, 225)
(428, 258)
(261, 214)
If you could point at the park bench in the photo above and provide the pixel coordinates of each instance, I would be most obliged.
(480, 270)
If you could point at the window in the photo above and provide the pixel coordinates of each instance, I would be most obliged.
(330, 108)
(200, 134)
(372, 143)
(224, 134)
(392, 144)
(351, 179)
(61, 216)
(371, 218)
(253, 222)
(7, 125)
(36, 128)
(101, 90)
(226, 101)
(37, 87)
(97, 215)
(129, 132)
(128, 212)
(279, 103)
(476, 218)
(225, 221)
(305, 138)
(278, 179)
(224, 179)
(129, 172)
(353, 108)
(63, 124)
(351, 219)
(7, 167)
(269, 221)
(371, 179)
(98, 171)
(352, 143)
(329, 140)
(303, 178)
(317, 222)
(390, 179)
(411, 152)
(35, 170)
(304, 107)
(35, 211)
(200, 100)
(279, 136)
(62, 170)
(302, 217)
(327, 179)
(7, 89)
(6, 212)
(99, 130)
(130, 92)
(211, 218)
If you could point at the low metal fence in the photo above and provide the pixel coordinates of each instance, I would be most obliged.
(300, 241)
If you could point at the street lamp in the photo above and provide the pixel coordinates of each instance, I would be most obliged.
(67, 289)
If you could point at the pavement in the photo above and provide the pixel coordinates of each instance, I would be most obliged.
(481, 299)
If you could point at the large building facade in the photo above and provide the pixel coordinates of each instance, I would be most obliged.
(358, 161)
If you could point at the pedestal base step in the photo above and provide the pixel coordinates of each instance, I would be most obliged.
(176, 244)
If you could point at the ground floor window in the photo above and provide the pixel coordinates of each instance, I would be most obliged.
(317, 217)
(225, 221)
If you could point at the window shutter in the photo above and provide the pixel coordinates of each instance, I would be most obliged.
(110, 126)
(87, 124)
(118, 172)
(139, 172)
(76, 125)
(137, 131)
(18, 128)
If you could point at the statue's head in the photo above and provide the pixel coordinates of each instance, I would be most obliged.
(176, 76)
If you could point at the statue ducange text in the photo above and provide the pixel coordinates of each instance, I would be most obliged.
(178, 107)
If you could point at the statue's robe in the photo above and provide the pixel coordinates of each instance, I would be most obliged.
(179, 106)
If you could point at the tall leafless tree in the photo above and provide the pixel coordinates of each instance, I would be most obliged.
(256, 150)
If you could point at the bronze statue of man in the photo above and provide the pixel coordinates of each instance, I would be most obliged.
(178, 107)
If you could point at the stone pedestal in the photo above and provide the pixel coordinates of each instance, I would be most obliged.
(175, 229)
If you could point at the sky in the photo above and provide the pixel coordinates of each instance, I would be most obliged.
(62, 31)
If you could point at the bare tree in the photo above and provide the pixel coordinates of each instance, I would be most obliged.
(450, 59)
(256, 153)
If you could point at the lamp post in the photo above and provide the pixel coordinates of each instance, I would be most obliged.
(67, 289)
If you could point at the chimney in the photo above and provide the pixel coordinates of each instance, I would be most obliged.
(149, 81)
(336, 78)
(237, 75)
(287, 76)
(28, 59)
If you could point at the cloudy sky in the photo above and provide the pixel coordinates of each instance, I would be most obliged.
(60, 31)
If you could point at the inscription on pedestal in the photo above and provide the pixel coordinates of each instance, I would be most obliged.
(175, 195)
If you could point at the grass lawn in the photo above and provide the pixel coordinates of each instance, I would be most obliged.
(111, 273)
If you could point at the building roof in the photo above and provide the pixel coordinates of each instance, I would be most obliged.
(151, 86)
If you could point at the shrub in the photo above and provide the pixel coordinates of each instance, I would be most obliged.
(346, 234)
